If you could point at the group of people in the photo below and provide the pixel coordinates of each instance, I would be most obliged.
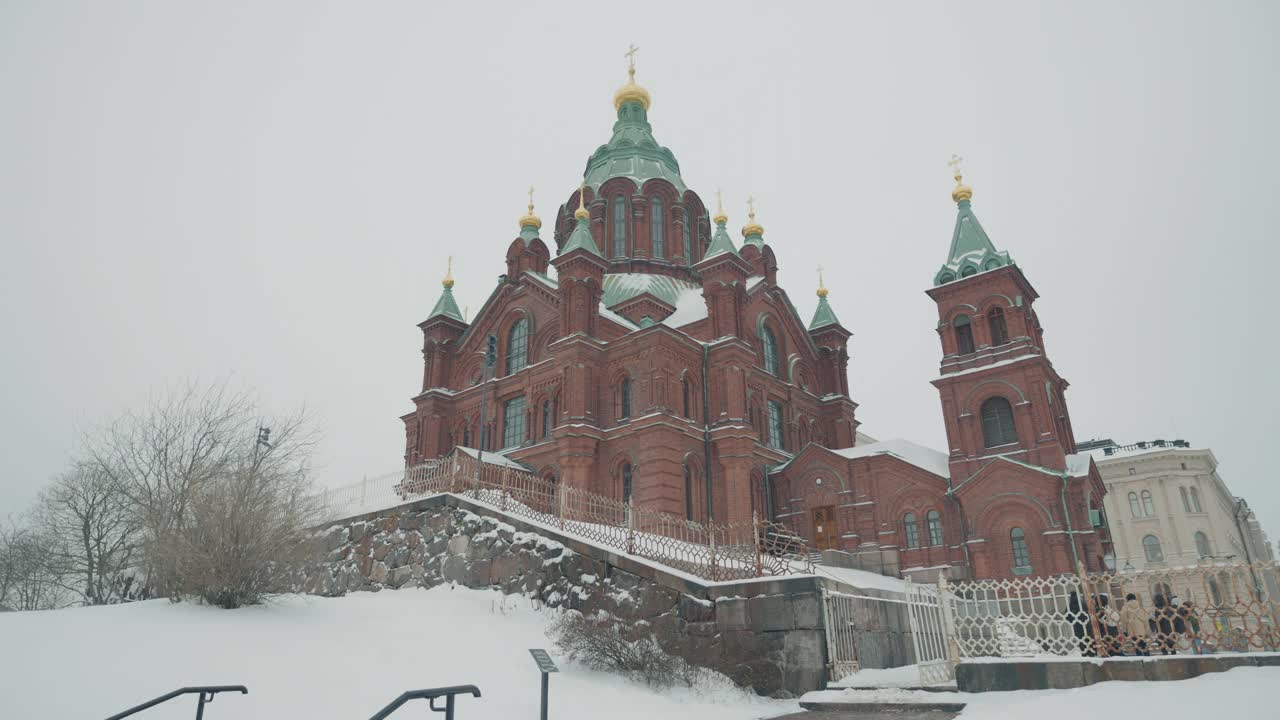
(1171, 627)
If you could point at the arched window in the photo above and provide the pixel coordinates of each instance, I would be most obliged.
(964, 334)
(971, 270)
(1186, 505)
(517, 345)
(1195, 500)
(1021, 553)
(555, 411)
(513, 422)
(912, 532)
(997, 423)
(684, 394)
(688, 239)
(1202, 544)
(688, 492)
(934, 521)
(1148, 504)
(619, 226)
(624, 399)
(1215, 593)
(466, 436)
(999, 331)
(626, 483)
(1151, 548)
(776, 439)
(770, 344)
(1134, 508)
(546, 419)
(656, 224)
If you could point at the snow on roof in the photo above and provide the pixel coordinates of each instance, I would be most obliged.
(1001, 363)
(690, 308)
(493, 458)
(1078, 464)
(926, 459)
(1129, 451)
(606, 312)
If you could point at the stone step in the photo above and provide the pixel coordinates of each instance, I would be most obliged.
(895, 707)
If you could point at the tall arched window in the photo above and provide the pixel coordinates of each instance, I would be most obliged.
(619, 227)
(964, 334)
(1195, 500)
(624, 398)
(1134, 508)
(688, 239)
(934, 521)
(1151, 548)
(776, 426)
(546, 419)
(770, 344)
(1021, 553)
(912, 532)
(626, 483)
(997, 423)
(656, 224)
(1215, 593)
(1186, 504)
(684, 394)
(688, 492)
(1148, 504)
(1202, 544)
(518, 345)
(999, 331)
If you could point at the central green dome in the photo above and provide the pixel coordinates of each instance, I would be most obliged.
(632, 152)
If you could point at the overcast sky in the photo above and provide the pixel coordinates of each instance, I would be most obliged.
(266, 192)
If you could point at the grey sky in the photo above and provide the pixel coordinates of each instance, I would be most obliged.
(266, 191)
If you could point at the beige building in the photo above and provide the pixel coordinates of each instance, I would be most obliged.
(1167, 507)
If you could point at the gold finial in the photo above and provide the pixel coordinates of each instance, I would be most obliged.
(822, 288)
(582, 213)
(752, 227)
(961, 191)
(448, 276)
(529, 219)
(631, 91)
(720, 218)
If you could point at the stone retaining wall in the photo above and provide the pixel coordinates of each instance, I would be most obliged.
(766, 634)
(1066, 674)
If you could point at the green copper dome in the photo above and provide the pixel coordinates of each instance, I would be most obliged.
(632, 152)
(971, 250)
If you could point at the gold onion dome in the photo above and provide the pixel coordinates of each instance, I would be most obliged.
(631, 92)
(448, 276)
(752, 227)
(581, 212)
(822, 287)
(960, 191)
(529, 219)
(719, 218)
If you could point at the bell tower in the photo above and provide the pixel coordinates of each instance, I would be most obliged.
(1001, 396)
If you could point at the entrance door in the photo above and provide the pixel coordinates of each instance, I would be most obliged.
(826, 536)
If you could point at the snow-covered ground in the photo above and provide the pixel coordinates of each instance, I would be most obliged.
(321, 658)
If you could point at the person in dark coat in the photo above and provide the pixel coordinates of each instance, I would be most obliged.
(1079, 620)
(1162, 624)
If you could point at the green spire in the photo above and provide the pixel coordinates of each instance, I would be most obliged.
(824, 315)
(971, 250)
(720, 242)
(632, 151)
(446, 305)
(581, 238)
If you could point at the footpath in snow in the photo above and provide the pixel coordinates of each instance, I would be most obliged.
(323, 658)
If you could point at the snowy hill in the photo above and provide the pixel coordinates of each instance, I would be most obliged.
(320, 658)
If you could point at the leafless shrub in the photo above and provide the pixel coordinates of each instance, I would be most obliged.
(602, 643)
(92, 535)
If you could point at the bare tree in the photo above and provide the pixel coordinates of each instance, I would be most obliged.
(93, 534)
(29, 575)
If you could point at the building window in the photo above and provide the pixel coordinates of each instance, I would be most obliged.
(688, 492)
(619, 227)
(1148, 505)
(1215, 593)
(517, 345)
(466, 436)
(656, 224)
(626, 483)
(624, 399)
(997, 423)
(688, 240)
(1195, 500)
(770, 344)
(1186, 505)
(1151, 547)
(513, 422)
(1202, 544)
(964, 334)
(934, 521)
(1133, 471)
(546, 419)
(684, 394)
(1134, 507)
(775, 426)
(912, 532)
(1021, 554)
(999, 331)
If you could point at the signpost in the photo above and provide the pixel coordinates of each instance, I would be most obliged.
(545, 666)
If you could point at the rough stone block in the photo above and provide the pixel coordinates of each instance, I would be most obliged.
(731, 614)
(358, 531)
(653, 600)
(1064, 675)
(459, 544)
(695, 610)
(455, 569)
(770, 613)
(399, 576)
(478, 574)
(624, 580)
(379, 572)
(1124, 670)
(439, 523)
(411, 521)
(1168, 668)
(334, 538)
(739, 646)
(806, 611)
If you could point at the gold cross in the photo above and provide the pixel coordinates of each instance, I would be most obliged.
(751, 207)
(630, 54)
(719, 201)
(820, 284)
(530, 197)
(955, 162)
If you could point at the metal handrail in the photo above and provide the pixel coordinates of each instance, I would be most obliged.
(430, 694)
(206, 696)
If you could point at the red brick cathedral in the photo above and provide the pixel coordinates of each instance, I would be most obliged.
(661, 363)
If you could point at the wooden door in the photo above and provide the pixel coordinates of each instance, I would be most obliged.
(826, 536)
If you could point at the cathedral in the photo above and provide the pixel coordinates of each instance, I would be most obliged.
(661, 364)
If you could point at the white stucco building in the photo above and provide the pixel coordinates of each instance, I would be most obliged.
(1167, 507)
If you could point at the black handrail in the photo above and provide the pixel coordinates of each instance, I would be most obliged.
(206, 695)
(430, 694)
